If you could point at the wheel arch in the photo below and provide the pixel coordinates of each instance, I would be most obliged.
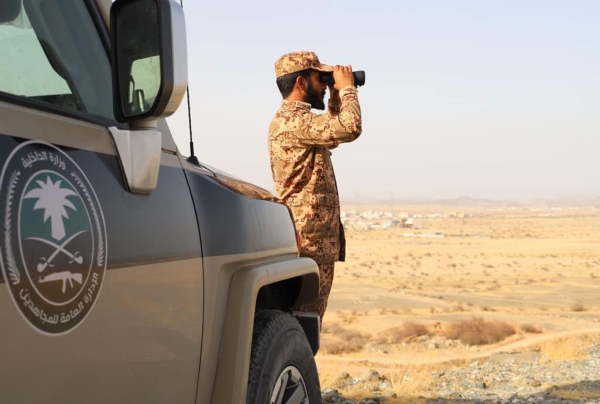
(299, 276)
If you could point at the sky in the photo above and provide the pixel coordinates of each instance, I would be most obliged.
(483, 99)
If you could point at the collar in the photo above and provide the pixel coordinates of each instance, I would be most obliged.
(296, 104)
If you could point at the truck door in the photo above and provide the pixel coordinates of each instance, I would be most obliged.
(100, 289)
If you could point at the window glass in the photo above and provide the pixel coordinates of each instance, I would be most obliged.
(51, 52)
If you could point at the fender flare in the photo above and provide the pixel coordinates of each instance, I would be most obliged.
(234, 360)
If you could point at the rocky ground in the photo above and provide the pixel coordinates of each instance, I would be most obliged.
(503, 378)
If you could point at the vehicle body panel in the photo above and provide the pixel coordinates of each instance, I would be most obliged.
(142, 337)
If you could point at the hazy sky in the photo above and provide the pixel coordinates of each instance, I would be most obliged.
(493, 99)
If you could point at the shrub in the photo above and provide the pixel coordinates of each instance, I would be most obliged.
(568, 348)
(577, 306)
(408, 329)
(343, 341)
(530, 328)
(477, 331)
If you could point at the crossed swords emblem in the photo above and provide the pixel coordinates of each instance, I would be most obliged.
(66, 276)
(47, 261)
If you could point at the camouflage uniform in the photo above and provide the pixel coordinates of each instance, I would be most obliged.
(299, 148)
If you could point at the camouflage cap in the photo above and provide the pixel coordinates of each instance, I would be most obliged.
(296, 61)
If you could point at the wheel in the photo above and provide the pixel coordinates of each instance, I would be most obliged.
(282, 366)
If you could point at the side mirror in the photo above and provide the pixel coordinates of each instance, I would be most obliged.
(149, 58)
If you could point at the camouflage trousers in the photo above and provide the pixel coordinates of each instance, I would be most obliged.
(326, 281)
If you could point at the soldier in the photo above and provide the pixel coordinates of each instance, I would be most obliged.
(299, 147)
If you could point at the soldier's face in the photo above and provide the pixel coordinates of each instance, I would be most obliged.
(315, 92)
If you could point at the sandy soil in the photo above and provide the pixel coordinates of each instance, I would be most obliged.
(528, 266)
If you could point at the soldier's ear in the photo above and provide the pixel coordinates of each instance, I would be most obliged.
(301, 83)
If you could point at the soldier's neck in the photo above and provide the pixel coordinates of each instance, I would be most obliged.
(295, 96)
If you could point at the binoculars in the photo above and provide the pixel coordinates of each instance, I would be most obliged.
(327, 78)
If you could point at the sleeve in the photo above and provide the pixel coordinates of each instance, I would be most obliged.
(333, 107)
(330, 130)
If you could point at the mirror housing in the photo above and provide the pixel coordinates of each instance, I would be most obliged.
(148, 50)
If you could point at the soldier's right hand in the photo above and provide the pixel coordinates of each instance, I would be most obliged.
(343, 76)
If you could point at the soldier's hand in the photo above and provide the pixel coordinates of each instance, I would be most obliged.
(343, 76)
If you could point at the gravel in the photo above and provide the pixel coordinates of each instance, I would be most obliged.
(504, 378)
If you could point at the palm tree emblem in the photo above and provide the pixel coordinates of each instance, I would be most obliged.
(53, 199)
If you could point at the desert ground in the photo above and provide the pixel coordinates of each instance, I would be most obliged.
(463, 283)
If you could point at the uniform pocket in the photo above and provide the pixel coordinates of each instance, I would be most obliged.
(329, 200)
(324, 223)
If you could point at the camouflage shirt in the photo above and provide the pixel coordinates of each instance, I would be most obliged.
(299, 144)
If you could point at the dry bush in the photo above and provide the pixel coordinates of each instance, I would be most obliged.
(331, 328)
(408, 381)
(380, 339)
(570, 395)
(456, 307)
(568, 348)
(530, 328)
(408, 329)
(343, 341)
(478, 331)
(577, 306)
(348, 320)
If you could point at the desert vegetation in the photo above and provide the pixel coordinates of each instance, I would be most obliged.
(458, 287)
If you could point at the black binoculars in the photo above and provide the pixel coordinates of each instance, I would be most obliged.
(327, 78)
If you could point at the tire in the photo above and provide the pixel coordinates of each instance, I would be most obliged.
(282, 366)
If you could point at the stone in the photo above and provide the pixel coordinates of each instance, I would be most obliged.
(373, 376)
(330, 395)
(343, 376)
(386, 384)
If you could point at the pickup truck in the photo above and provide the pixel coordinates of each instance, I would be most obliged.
(130, 273)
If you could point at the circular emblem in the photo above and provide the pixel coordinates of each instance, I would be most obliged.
(53, 244)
